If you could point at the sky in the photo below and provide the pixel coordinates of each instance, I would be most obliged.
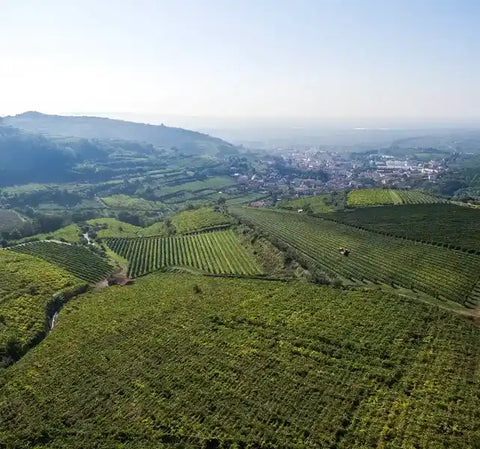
(242, 59)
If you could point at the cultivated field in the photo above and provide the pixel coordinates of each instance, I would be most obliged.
(375, 197)
(434, 270)
(217, 252)
(445, 224)
(125, 202)
(76, 259)
(26, 286)
(195, 362)
(198, 219)
(317, 204)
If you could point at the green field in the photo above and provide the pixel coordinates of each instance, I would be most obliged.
(214, 182)
(445, 224)
(198, 219)
(376, 197)
(70, 234)
(217, 252)
(111, 227)
(434, 270)
(76, 259)
(317, 204)
(194, 362)
(126, 202)
(26, 286)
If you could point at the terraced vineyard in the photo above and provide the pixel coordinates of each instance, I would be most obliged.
(434, 270)
(78, 260)
(375, 197)
(217, 252)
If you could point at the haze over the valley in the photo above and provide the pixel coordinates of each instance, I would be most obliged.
(246, 71)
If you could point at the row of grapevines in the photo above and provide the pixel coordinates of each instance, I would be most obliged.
(433, 270)
(372, 197)
(217, 252)
(76, 259)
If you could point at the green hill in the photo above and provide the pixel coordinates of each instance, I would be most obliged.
(192, 362)
(189, 142)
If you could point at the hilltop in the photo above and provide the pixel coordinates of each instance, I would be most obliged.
(189, 142)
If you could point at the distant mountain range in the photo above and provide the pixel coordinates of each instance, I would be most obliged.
(188, 142)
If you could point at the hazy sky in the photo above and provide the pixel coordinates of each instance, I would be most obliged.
(242, 58)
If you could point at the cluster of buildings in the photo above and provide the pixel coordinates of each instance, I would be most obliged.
(313, 172)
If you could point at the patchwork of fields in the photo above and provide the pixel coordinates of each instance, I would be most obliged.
(434, 270)
(194, 362)
(218, 252)
(375, 197)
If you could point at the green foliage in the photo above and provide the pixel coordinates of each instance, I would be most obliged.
(70, 234)
(217, 252)
(316, 204)
(26, 286)
(76, 259)
(444, 224)
(194, 362)
(215, 182)
(377, 258)
(375, 197)
(132, 203)
(198, 219)
(11, 220)
(111, 228)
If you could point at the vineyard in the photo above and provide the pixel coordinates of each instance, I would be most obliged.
(78, 260)
(434, 270)
(217, 252)
(26, 285)
(375, 197)
(444, 224)
(198, 219)
(199, 362)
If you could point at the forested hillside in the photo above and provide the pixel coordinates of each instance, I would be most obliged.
(103, 128)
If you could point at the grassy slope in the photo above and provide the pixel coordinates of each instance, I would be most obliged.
(317, 204)
(215, 182)
(116, 228)
(203, 218)
(188, 362)
(131, 203)
(26, 285)
(70, 233)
